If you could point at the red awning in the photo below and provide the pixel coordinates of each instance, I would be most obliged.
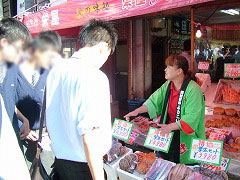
(76, 13)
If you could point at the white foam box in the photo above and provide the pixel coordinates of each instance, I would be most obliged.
(115, 164)
(123, 175)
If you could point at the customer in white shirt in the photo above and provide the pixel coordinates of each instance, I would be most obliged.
(78, 106)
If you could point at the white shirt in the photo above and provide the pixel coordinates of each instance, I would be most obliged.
(12, 162)
(188, 57)
(28, 73)
(78, 100)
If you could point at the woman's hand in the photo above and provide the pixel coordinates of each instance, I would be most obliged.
(131, 114)
(167, 128)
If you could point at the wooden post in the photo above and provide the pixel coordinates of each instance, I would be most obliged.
(192, 39)
(130, 60)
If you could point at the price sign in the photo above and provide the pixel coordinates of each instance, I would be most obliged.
(224, 165)
(232, 70)
(203, 65)
(207, 151)
(157, 141)
(122, 129)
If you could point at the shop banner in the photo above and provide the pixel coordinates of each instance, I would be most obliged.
(224, 165)
(122, 129)
(203, 65)
(157, 141)
(232, 70)
(76, 13)
(206, 151)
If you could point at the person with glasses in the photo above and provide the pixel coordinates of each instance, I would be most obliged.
(13, 35)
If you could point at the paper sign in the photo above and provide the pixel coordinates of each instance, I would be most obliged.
(207, 151)
(232, 70)
(133, 137)
(122, 129)
(157, 141)
(224, 165)
(203, 65)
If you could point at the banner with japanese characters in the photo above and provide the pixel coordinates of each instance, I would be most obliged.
(75, 13)
(122, 129)
(203, 65)
(158, 141)
(206, 151)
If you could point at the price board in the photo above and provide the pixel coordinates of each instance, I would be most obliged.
(224, 165)
(122, 129)
(157, 141)
(203, 65)
(206, 151)
(232, 70)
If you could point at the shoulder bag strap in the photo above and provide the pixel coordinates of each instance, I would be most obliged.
(165, 103)
(39, 150)
(180, 98)
(42, 118)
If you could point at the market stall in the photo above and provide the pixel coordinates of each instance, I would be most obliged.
(133, 154)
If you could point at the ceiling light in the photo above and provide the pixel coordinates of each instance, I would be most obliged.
(198, 33)
(230, 12)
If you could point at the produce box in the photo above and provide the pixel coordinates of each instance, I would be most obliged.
(203, 80)
(228, 92)
(115, 163)
(123, 175)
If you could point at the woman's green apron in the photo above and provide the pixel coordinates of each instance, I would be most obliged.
(192, 113)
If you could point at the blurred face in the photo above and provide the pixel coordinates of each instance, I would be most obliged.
(12, 52)
(44, 59)
(228, 50)
(172, 72)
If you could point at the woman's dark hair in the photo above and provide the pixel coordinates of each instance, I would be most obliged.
(13, 30)
(180, 62)
(96, 32)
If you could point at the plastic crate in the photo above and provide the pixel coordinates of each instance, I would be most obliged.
(135, 103)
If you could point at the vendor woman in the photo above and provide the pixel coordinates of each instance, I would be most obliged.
(181, 104)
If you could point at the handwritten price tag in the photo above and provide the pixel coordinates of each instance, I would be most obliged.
(122, 129)
(207, 151)
(157, 141)
(204, 66)
(224, 165)
(232, 70)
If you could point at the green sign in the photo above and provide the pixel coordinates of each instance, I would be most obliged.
(224, 165)
(206, 151)
(122, 129)
(157, 141)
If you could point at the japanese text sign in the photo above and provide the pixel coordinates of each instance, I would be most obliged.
(207, 151)
(158, 141)
(224, 165)
(203, 65)
(75, 13)
(232, 70)
(122, 129)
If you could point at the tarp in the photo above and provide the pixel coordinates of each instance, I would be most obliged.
(77, 12)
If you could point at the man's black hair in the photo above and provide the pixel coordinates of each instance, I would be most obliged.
(187, 45)
(54, 36)
(95, 32)
(13, 30)
(43, 43)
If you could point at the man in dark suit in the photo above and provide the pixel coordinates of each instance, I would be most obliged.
(236, 56)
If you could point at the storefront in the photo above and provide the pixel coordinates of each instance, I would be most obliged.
(149, 31)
